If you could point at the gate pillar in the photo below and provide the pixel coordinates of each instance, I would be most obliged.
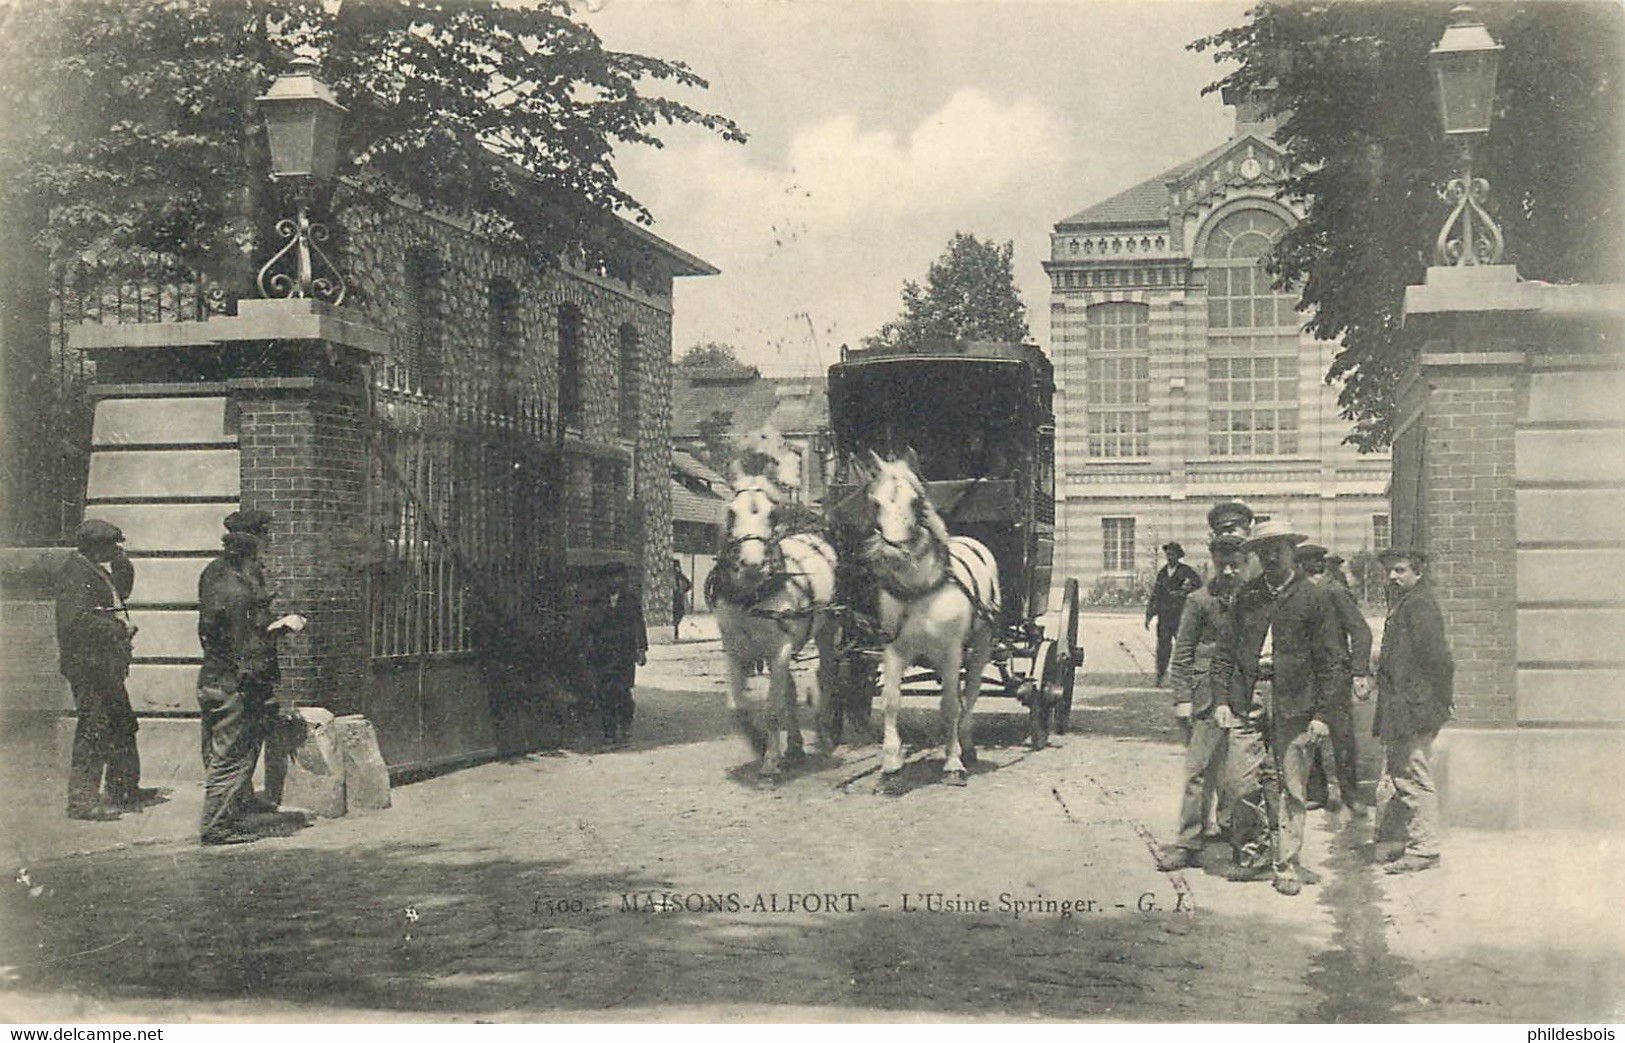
(263, 409)
(1509, 470)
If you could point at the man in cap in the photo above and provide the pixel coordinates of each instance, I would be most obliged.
(1230, 517)
(1175, 582)
(618, 643)
(237, 682)
(1202, 666)
(93, 635)
(1353, 678)
(1415, 678)
(1287, 634)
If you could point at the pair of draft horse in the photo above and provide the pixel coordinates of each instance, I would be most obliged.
(775, 591)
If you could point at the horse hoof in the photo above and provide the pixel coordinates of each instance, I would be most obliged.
(890, 784)
(954, 778)
(967, 756)
(794, 755)
(768, 776)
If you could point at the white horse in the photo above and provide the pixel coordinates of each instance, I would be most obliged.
(772, 591)
(939, 598)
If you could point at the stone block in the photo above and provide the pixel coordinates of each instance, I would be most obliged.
(167, 581)
(1570, 515)
(153, 473)
(316, 775)
(1569, 396)
(161, 421)
(167, 526)
(168, 634)
(1571, 456)
(366, 777)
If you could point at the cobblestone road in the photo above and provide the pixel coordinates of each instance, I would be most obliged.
(662, 882)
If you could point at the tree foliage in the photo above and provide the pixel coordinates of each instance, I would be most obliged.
(134, 122)
(969, 294)
(709, 354)
(1358, 119)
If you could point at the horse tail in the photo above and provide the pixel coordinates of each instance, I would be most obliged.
(976, 572)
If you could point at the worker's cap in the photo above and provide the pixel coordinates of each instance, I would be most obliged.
(1172, 547)
(1230, 516)
(1311, 552)
(94, 532)
(1334, 560)
(253, 522)
(1227, 543)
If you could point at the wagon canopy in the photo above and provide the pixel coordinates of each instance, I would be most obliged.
(969, 410)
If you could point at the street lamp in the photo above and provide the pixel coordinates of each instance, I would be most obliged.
(302, 121)
(1464, 66)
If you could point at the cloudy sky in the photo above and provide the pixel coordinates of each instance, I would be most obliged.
(880, 128)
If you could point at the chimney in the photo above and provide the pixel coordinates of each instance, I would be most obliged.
(1252, 106)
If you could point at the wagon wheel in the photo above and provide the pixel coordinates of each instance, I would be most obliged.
(1070, 657)
(1045, 691)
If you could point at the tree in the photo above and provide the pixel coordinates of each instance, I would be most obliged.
(132, 144)
(709, 355)
(716, 449)
(969, 294)
(134, 121)
(1350, 84)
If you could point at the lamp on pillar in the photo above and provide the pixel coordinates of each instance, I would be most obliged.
(1464, 64)
(302, 120)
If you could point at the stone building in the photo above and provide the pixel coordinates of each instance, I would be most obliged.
(1183, 378)
(448, 456)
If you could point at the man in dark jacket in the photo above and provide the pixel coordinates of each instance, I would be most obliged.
(1202, 666)
(94, 635)
(1287, 634)
(237, 682)
(1353, 677)
(1175, 582)
(618, 644)
(1415, 678)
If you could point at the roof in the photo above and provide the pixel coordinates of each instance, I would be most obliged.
(690, 506)
(790, 405)
(683, 262)
(690, 466)
(1146, 203)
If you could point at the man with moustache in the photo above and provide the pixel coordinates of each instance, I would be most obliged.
(1415, 678)
(1287, 634)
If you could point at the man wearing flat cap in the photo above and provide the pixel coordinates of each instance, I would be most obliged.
(1287, 634)
(1340, 786)
(1201, 677)
(237, 682)
(1415, 680)
(1175, 582)
(93, 634)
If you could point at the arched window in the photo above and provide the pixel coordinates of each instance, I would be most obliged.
(503, 301)
(631, 363)
(1252, 339)
(571, 398)
(1118, 401)
(420, 361)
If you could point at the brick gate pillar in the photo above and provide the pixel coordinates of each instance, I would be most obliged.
(1509, 470)
(264, 409)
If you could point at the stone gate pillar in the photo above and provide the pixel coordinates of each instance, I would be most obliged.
(1509, 470)
(264, 409)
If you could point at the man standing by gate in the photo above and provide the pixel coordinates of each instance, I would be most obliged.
(1415, 680)
(93, 636)
(618, 643)
(237, 682)
(1175, 582)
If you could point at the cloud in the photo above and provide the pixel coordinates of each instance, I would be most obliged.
(832, 227)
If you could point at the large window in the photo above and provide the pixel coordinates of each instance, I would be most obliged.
(1382, 535)
(1252, 342)
(571, 406)
(503, 301)
(1119, 380)
(418, 363)
(1117, 539)
(631, 359)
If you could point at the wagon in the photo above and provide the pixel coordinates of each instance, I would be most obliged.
(978, 416)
